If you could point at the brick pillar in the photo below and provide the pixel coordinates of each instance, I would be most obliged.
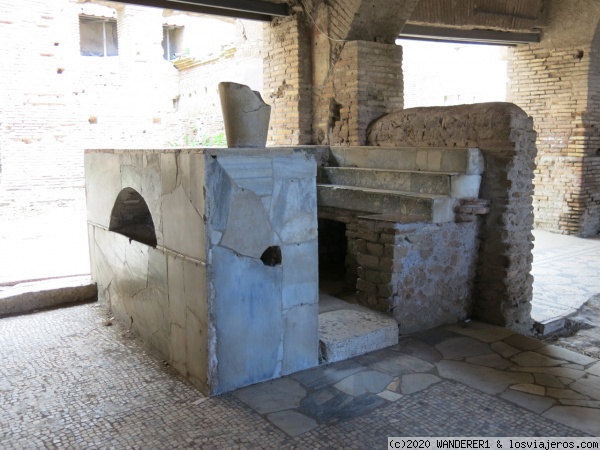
(287, 81)
(560, 88)
(366, 83)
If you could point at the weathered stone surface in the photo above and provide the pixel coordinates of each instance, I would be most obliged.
(291, 422)
(272, 396)
(492, 360)
(248, 230)
(436, 208)
(103, 184)
(505, 135)
(345, 333)
(529, 389)
(252, 172)
(294, 210)
(490, 381)
(245, 114)
(454, 160)
(301, 338)
(535, 403)
(562, 372)
(595, 369)
(588, 385)
(482, 331)
(523, 342)
(583, 419)
(462, 347)
(177, 210)
(533, 359)
(504, 349)
(247, 310)
(411, 383)
(556, 352)
(43, 294)
(363, 382)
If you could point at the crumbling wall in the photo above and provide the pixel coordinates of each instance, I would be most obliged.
(332, 68)
(504, 133)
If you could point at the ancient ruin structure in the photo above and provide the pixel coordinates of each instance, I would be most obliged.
(212, 255)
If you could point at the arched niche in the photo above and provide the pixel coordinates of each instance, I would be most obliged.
(131, 217)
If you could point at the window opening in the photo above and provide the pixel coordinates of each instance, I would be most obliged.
(98, 37)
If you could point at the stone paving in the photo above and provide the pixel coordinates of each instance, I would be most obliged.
(67, 380)
(566, 273)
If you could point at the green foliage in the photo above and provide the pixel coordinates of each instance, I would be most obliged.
(192, 140)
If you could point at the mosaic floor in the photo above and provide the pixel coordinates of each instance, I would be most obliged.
(566, 273)
(69, 381)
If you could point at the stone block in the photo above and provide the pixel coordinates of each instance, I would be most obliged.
(301, 338)
(178, 209)
(346, 333)
(246, 310)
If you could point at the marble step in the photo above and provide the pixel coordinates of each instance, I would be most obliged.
(468, 161)
(435, 208)
(347, 330)
(452, 184)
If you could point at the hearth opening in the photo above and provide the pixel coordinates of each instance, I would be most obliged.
(337, 271)
(131, 217)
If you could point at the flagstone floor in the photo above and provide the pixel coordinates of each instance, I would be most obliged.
(69, 381)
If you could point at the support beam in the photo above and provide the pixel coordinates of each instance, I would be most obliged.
(444, 34)
(240, 9)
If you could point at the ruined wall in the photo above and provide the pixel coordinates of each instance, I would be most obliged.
(287, 85)
(333, 68)
(504, 133)
(56, 102)
(557, 82)
(366, 84)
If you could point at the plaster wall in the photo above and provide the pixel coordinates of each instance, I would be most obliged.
(220, 296)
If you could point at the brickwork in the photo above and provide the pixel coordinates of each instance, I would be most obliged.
(317, 74)
(57, 102)
(560, 89)
(504, 133)
(287, 81)
(366, 84)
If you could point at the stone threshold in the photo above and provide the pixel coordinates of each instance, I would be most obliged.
(30, 296)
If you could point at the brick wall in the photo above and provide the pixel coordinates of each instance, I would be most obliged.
(560, 88)
(504, 133)
(55, 102)
(366, 83)
(287, 81)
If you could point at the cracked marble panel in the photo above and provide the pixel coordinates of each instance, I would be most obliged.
(131, 176)
(168, 171)
(151, 192)
(220, 188)
(294, 210)
(248, 319)
(103, 184)
(300, 274)
(301, 338)
(294, 167)
(254, 173)
(248, 231)
(183, 226)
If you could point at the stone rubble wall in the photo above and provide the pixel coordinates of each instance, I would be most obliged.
(504, 134)
(557, 87)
